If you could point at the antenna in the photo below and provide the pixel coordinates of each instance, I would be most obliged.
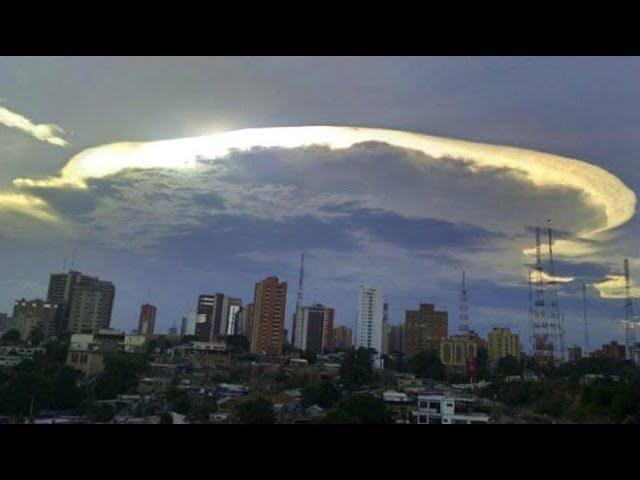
(557, 321)
(628, 311)
(586, 327)
(542, 343)
(463, 324)
(298, 310)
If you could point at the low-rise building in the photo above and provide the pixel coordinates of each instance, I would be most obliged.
(501, 342)
(89, 361)
(447, 410)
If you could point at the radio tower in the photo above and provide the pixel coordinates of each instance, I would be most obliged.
(531, 309)
(463, 325)
(298, 310)
(542, 341)
(584, 313)
(557, 321)
(628, 312)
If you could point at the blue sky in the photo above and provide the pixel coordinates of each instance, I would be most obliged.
(361, 214)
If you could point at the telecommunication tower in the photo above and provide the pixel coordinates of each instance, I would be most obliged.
(628, 312)
(463, 325)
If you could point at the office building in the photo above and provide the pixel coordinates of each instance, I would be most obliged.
(370, 315)
(247, 321)
(614, 350)
(396, 340)
(457, 350)
(314, 331)
(269, 303)
(188, 325)
(91, 304)
(342, 338)
(147, 320)
(29, 314)
(218, 316)
(424, 329)
(574, 353)
(386, 329)
(501, 342)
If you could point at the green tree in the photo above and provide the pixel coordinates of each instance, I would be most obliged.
(357, 368)
(427, 364)
(11, 337)
(121, 374)
(102, 413)
(508, 365)
(309, 356)
(178, 400)
(322, 392)
(202, 409)
(258, 411)
(166, 418)
(358, 409)
(36, 334)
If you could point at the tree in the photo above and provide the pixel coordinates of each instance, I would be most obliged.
(309, 356)
(427, 364)
(166, 418)
(258, 411)
(36, 334)
(202, 409)
(358, 409)
(357, 367)
(11, 337)
(121, 373)
(508, 365)
(178, 400)
(102, 413)
(238, 344)
(322, 392)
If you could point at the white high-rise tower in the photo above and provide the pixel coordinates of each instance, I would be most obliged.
(369, 318)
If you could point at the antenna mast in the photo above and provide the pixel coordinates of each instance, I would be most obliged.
(557, 320)
(463, 325)
(586, 327)
(628, 312)
(542, 344)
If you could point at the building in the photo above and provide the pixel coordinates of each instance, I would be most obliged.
(424, 329)
(269, 303)
(396, 343)
(314, 331)
(4, 322)
(91, 304)
(147, 320)
(369, 318)
(28, 314)
(247, 321)
(342, 338)
(501, 342)
(89, 362)
(61, 289)
(188, 325)
(457, 350)
(448, 410)
(614, 350)
(218, 316)
(574, 353)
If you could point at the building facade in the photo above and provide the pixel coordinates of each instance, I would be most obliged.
(574, 353)
(314, 331)
(342, 338)
(614, 350)
(396, 340)
(424, 329)
(269, 303)
(29, 314)
(457, 350)
(218, 316)
(369, 318)
(91, 304)
(147, 320)
(501, 342)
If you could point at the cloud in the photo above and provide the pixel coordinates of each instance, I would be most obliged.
(541, 169)
(27, 205)
(44, 132)
(613, 286)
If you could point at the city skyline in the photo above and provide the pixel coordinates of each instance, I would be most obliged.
(368, 207)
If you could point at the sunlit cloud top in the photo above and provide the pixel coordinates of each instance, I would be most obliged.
(44, 132)
(542, 169)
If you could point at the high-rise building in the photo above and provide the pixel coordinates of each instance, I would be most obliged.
(456, 350)
(4, 322)
(501, 342)
(31, 313)
(424, 329)
(247, 321)
(217, 316)
(396, 344)
(188, 325)
(369, 318)
(60, 291)
(575, 353)
(614, 350)
(342, 338)
(269, 303)
(314, 331)
(386, 328)
(147, 321)
(91, 304)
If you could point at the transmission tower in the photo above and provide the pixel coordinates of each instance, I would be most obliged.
(584, 314)
(541, 331)
(531, 308)
(556, 320)
(628, 312)
(463, 325)
(298, 310)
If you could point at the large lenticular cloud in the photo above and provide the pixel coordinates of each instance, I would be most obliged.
(542, 169)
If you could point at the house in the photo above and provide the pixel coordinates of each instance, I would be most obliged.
(445, 409)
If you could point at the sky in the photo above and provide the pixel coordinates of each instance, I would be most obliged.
(174, 177)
